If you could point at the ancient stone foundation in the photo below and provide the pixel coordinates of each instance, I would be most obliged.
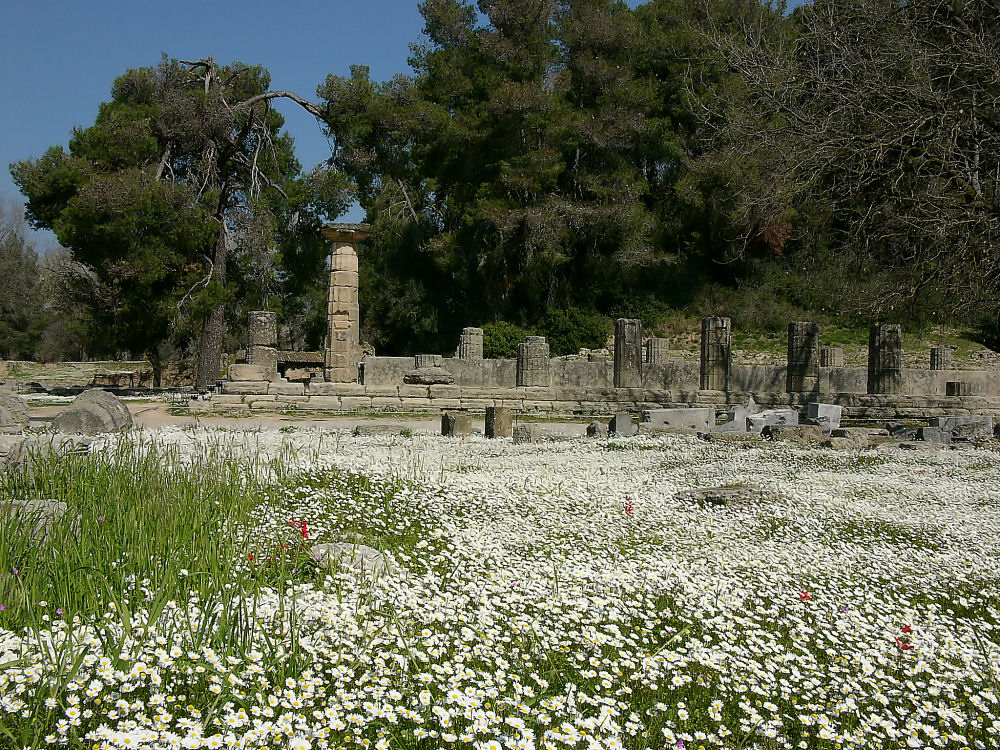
(885, 358)
(628, 353)
(716, 348)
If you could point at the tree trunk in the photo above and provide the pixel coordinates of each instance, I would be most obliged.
(210, 349)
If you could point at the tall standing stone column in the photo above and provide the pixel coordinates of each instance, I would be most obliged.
(470, 344)
(716, 348)
(941, 357)
(803, 357)
(628, 353)
(657, 351)
(343, 339)
(533, 366)
(885, 358)
(263, 350)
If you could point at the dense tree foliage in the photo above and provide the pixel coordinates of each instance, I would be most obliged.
(550, 164)
(20, 292)
(535, 160)
(174, 200)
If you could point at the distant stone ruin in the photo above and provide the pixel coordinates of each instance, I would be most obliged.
(641, 375)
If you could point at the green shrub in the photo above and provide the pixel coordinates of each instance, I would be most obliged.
(500, 339)
(570, 329)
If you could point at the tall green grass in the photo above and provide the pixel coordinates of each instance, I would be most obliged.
(143, 528)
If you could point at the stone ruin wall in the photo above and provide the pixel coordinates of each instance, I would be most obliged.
(641, 371)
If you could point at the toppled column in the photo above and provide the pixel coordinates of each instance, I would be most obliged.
(263, 350)
(533, 365)
(885, 358)
(628, 353)
(716, 347)
(941, 357)
(343, 339)
(470, 344)
(803, 357)
(657, 351)
(831, 357)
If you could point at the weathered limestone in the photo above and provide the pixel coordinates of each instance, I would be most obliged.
(936, 435)
(597, 429)
(628, 353)
(952, 422)
(686, 419)
(738, 416)
(263, 328)
(657, 351)
(284, 388)
(621, 425)
(957, 388)
(716, 347)
(13, 412)
(92, 412)
(826, 416)
(343, 342)
(941, 357)
(266, 358)
(885, 358)
(428, 371)
(527, 433)
(245, 372)
(427, 360)
(764, 420)
(470, 344)
(263, 349)
(831, 357)
(499, 422)
(533, 366)
(456, 424)
(803, 357)
(804, 434)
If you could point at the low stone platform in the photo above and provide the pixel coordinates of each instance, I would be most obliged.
(411, 398)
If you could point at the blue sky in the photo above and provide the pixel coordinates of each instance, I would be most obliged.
(58, 58)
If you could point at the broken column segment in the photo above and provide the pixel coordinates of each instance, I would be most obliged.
(803, 357)
(470, 344)
(499, 422)
(831, 357)
(885, 358)
(263, 350)
(343, 339)
(628, 353)
(533, 366)
(941, 357)
(657, 351)
(716, 347)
